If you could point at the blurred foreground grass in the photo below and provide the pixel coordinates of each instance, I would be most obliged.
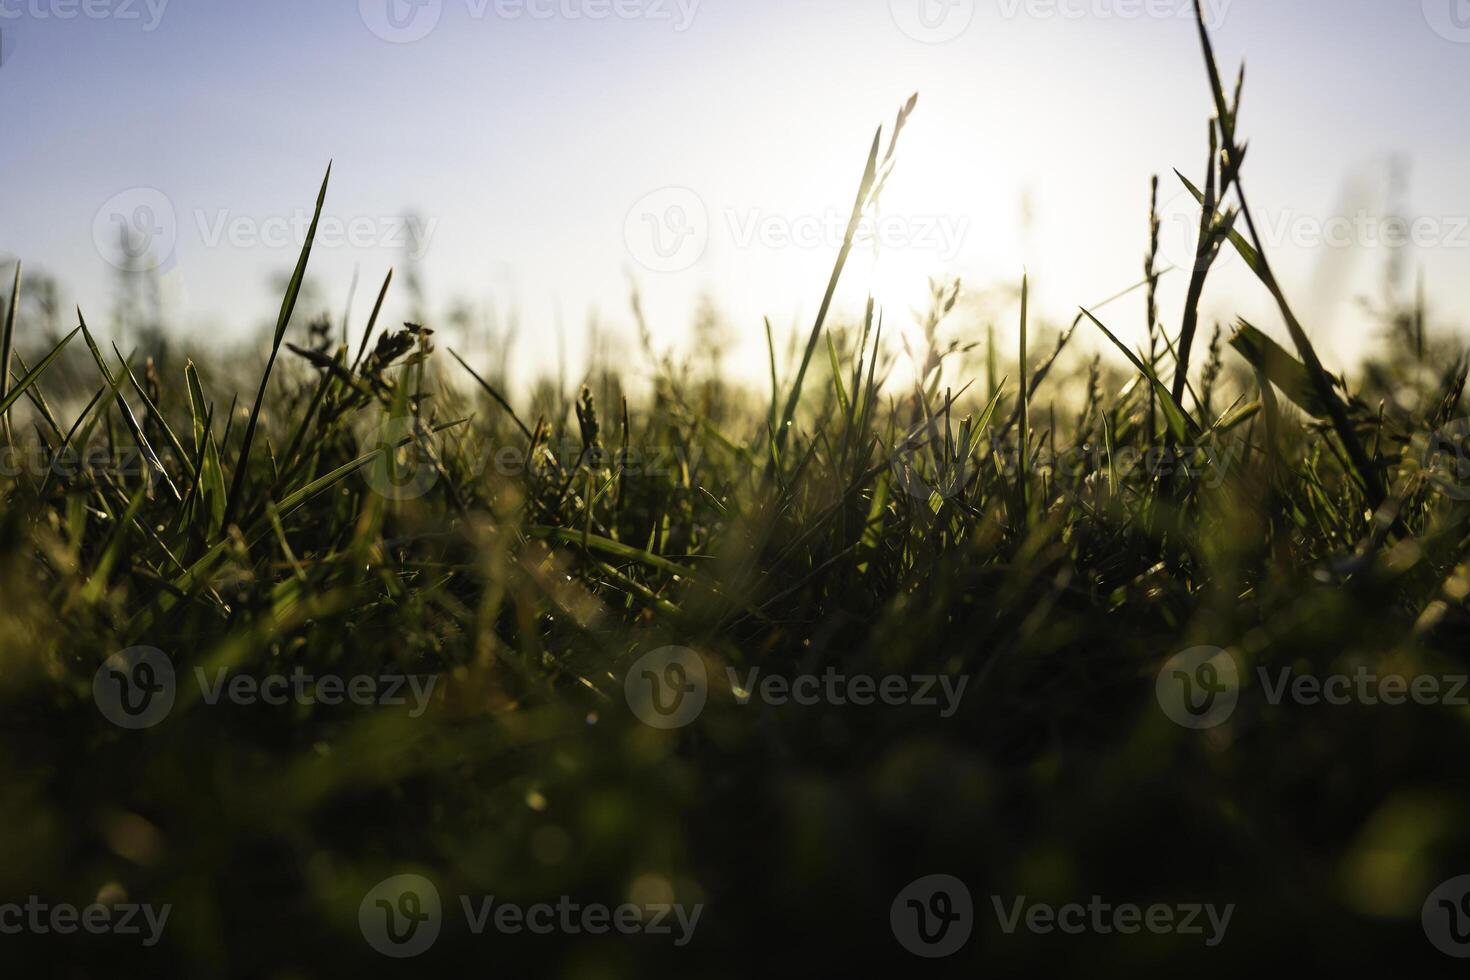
(374, 508)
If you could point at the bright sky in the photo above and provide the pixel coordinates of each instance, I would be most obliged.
(550, 149)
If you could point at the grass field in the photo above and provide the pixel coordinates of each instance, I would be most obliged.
(567, 637)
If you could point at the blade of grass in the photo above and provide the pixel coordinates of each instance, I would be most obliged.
(859, 205)
(6, 347)
(367, 334)
(1174, 414)
(34, 374)
(124, 409)
(495, 395)
(288, 306)
(1024, 433)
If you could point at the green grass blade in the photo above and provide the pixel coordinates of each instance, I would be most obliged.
(7, 346)
(1180, 424)
(288, 306)
(35, 373)
(869, 174)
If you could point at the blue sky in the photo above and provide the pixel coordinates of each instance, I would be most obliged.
(535, 141)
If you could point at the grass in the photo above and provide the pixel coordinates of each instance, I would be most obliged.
(1053, 542)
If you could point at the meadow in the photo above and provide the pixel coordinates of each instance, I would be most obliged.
(761, 660)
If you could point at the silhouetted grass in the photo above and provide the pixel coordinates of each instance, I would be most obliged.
(386, 511)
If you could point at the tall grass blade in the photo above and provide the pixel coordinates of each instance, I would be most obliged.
(288, 306)
(7, 347)
(870, 172)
